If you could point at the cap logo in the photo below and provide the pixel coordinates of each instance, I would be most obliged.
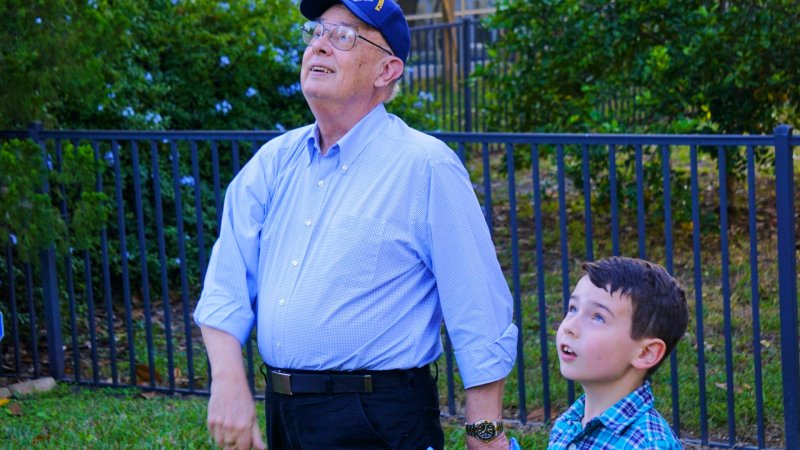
(379, 6)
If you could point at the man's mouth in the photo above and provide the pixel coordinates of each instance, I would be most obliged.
(320, 69)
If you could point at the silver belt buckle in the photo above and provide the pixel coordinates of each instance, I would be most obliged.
(281, 383)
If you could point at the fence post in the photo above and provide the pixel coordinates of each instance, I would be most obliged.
(787, 284)
(47, 258)
(466, 48)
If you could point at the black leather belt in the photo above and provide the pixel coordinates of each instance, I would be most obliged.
(290, 382)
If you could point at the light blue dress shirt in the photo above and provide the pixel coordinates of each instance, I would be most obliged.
(351, 260)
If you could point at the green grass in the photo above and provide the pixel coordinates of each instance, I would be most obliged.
(69, 417)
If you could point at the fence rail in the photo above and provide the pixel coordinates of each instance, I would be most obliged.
(718, 211)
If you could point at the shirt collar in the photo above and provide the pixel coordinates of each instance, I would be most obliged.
(627, 410)
(354, 141)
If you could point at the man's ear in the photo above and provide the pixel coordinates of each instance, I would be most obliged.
(651, 352)
(391, 69)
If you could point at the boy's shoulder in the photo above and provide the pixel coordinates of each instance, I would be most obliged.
(632, 423)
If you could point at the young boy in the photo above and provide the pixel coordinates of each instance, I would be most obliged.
(624, 317)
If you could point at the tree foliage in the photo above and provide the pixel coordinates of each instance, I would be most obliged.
(151, 65)
(646, 66)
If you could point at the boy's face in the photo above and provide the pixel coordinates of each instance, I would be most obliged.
(593, 341)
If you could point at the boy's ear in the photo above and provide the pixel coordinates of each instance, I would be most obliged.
(651, 351)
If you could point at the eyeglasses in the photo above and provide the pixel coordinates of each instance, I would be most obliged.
(342, 37)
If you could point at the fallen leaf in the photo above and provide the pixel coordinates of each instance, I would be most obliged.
(149, 395)
(721, 385)
(15, 409)
(537, 415)
(143, 374)
(4, 401)
(42, 437)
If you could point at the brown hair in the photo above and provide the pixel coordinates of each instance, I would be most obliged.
(658, 301)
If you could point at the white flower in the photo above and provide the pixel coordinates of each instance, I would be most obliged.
(224, 6)
(128, 112)
(148, 77)
(39, 20)
(224, 61)
(251, 91)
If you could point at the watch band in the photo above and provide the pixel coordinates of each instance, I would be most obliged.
(484, 429)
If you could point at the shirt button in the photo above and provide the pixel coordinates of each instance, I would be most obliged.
(308, 222)
(278, 344)
(281, 301)
(320, 183)
(571, 446)
(344, 168)
(294, 263)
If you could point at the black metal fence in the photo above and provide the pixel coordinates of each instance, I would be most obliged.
(718, 211)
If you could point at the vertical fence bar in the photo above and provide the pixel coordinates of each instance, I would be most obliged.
(640, 213)
(466, 45)
(148, 321)
(162, 261)
(587, 203)
(12, 289)
(540, 279)
(198, 208)
(754, 295)
(76, 360)
(37, 368)
(787, 284)
(112, 345)
(726, 292)
(187, 324)
(90, 315)
(49, 276)
(487, 189)
(562, 220)
(612, 181)
(123, 257)
(215, 176)
(698, 297)
(512, 211)
(450, 367)
(673, 357)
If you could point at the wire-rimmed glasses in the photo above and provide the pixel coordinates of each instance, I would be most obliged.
(342, 37)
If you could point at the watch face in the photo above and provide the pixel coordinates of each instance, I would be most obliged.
(485, 430)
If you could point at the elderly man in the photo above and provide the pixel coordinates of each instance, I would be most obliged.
(348, 241)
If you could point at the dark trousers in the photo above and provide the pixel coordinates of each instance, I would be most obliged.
(399, 413)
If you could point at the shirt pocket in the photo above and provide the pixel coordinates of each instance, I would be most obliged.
(354, 247)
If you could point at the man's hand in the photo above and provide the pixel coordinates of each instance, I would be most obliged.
(499, 443)
(232, 416)
(231, 410)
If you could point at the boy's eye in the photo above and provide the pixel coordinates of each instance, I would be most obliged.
(599, 318)
(571, 309)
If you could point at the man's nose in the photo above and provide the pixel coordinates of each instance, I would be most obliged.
(321, 44)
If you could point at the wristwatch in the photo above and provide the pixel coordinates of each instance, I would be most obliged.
(484, 429)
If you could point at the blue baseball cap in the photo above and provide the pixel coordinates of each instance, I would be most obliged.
(384, 15)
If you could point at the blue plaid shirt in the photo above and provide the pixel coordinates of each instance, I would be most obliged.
(632, 423)
(350, 260)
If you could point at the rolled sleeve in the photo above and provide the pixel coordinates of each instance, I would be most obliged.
(227, 301)
(473, 293)
(483, 365)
